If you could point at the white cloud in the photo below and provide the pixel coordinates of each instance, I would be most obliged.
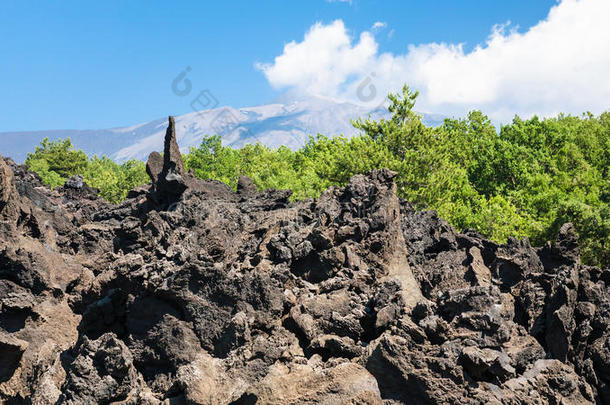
(378, 26)
(323, 61)
(559, 65)
(340, 1)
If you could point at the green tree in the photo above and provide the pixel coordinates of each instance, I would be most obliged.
(55, 161)
(59, 157)
(112, 179)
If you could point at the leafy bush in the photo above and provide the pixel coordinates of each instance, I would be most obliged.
(55, 161)
(114, 180)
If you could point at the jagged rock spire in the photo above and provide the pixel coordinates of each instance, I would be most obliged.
(172, 159)
(168, 179)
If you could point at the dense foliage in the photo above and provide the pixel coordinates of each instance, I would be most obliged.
(524, 180)
(55, 161)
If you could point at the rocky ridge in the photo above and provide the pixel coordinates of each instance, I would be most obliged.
(190, 293)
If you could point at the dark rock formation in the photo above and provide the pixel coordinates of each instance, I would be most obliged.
(154, 166)
(246, 187)
(170, 180)
(190, 293)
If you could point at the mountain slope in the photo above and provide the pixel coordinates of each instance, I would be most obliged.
(288, 121)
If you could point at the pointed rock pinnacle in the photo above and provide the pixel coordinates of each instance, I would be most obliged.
(170, 179)
(172, 159)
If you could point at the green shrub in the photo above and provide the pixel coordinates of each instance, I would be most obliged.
(55, 161)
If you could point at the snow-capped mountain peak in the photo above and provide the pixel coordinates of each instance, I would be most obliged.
(288, 120)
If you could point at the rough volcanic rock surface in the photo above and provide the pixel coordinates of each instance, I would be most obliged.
(189, 293)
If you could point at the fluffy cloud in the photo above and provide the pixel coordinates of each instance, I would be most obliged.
(323, 62)
(378, 26)
(560, 64)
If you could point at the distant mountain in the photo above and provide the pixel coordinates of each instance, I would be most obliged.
(288, 120)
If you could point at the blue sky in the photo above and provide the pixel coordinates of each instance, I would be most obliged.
(74, 64)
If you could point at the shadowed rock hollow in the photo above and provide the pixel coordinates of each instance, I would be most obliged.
(190, 293)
